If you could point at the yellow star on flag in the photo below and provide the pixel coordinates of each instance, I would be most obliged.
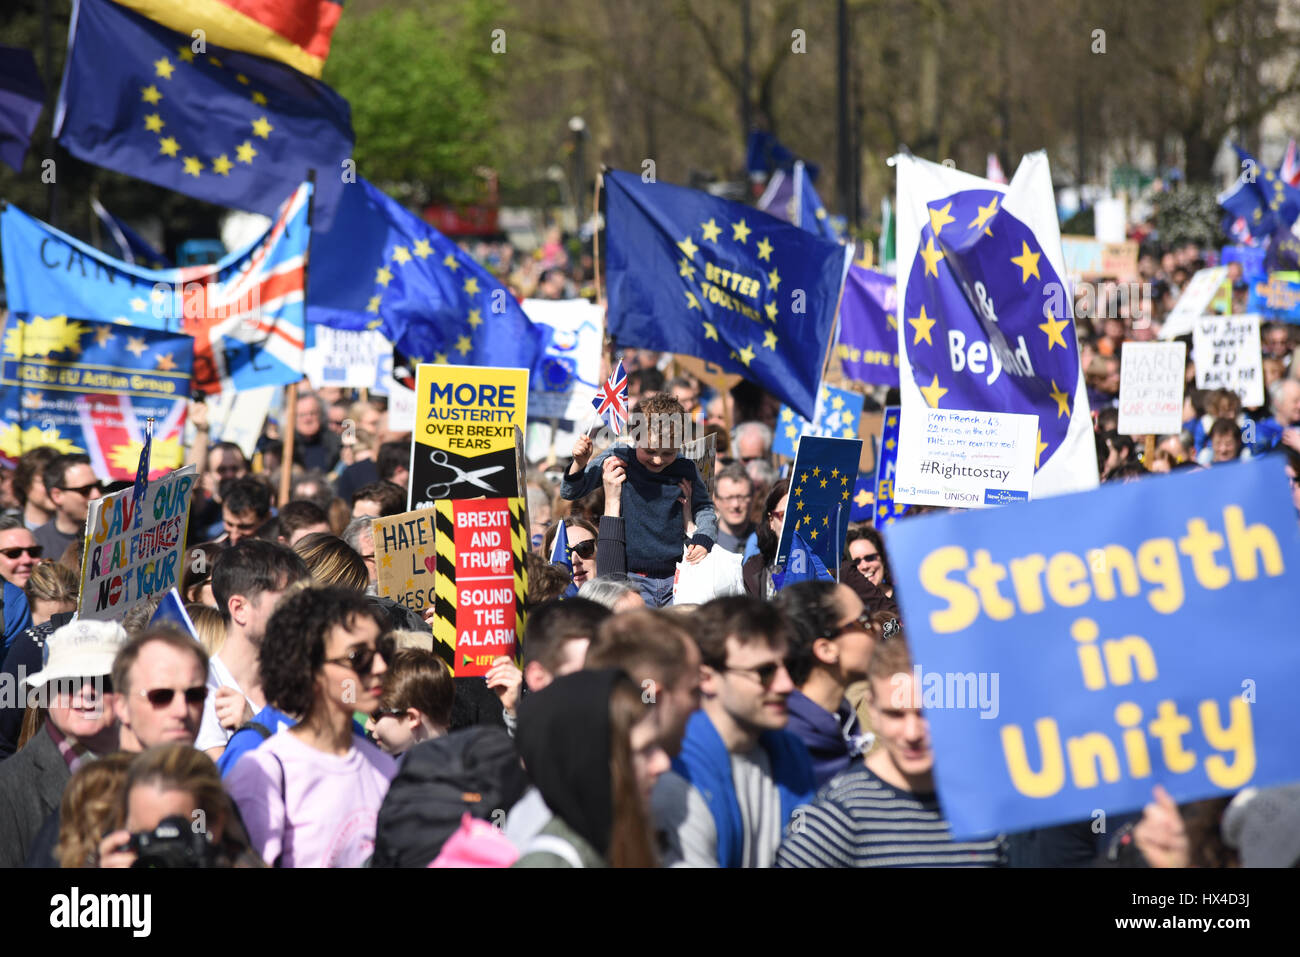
(823, 485)
(691, 301)
(985, 214)
(685, 269)
(471, 286)
(816, 471)
(136, 346)
(862, 499)
(463, 345)
(214, 61)
(933, 392)
(185, 53)
(1038, 452)
(931, 257)
(1028, 262)
(163, 68)
(835, 473)
(150, 94)
(711, 230)
(688, 247)
(773, 280)
(166, 363)
(222, 165)
(168, 146)
(440, 358)
(475, 318)
(769, 339)
(154, 123)
(709, 331)
(1053, 329)
(262, 128)
(892, 420)
(193, 166)
(770, 309)
(401, 255)
(137, 304)
(103, 334)
(764, 250)
(882, 510)
(922, 326)
(373, 306)
(383, 276)
(423, 249)
(798, 506)
(747, 355)
(889, 444)
(450, 262)
(241, 79)
(244, 152)
(837, 403)
(259, 98)
(813, 533)
(825, 521)
(1062, 400)
(791, 431)
(740, 232)
(939, 218)
(787, 414)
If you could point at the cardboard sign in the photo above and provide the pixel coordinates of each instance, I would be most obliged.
(704, 453)
(1194, 302)
(1151, 380)
(1226, 350)
(968, 460)
(404, 558)
(466, 418)
(1074, 653)
(822, 483)
(1090, 258)
(129, 556)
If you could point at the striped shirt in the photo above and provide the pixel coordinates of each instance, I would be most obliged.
(858, 820)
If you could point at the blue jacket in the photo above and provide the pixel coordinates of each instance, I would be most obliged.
(706, 763)
(243, 741)
(832, 740)
(652, 515)
(18, 615)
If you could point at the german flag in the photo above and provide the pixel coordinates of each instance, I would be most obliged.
(296, 32)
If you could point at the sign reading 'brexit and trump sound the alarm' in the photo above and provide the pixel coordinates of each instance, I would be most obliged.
(1140, 634)
(465, 421)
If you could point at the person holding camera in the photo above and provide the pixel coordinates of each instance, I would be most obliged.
(176, 814)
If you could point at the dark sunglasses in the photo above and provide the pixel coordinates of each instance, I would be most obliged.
(36, 551)
(873, 557)
(84, 489)
(862, 621)
(72, 686)
(162, 697)
(766, 674)
(583, 550)
(380, 713)
(361, 660)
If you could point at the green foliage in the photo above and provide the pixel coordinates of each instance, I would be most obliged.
(1081, 223)
(1188, 215)
(422, 82)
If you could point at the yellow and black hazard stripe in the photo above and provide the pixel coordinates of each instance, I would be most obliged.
(444, 603)
(520, 536)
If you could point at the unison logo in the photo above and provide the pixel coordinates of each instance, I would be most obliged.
(133, 911)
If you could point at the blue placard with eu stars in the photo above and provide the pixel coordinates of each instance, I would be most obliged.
(821, 497)
(382, 267)
(690, 273)
(836, 415)
(885, 509)
(1276, 298)
(985, 314)
(226, 127)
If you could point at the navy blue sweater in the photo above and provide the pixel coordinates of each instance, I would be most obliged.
(651, 513)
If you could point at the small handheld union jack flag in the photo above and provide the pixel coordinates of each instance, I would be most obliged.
(610, 402)
(142, 472)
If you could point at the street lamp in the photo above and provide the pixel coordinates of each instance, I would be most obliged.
(578, 128)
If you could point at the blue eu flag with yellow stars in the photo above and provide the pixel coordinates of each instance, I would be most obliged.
(1262, 198)
(884, 509)
(986, 317)
(225, 127)
(694, 274)
(837, 415)
(820, 503)
(811, 214)
(382, 267)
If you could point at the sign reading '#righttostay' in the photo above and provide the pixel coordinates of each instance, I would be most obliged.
(1072, 653)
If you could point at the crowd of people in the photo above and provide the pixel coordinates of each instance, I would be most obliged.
(314, 723)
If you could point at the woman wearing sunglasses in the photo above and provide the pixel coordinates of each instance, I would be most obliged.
(757, 569)
(311, 793)
(582, 547)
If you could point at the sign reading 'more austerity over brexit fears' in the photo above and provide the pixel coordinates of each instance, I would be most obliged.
(129, 554)
(1072, 653)
(465, 421)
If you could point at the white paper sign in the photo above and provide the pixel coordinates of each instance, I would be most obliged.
(239, 416)
(1227, 355)
(1195, 300)
(1151, 388)
(968, 460)
(568, 374)
(344, 358)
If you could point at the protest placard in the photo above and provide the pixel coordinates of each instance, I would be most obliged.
(885, 509)
(465, 422)
(404, 558)
(1226, 350)
(822, 483)
(704, 453)
(1194, 302)
(1276, 297)
(1151, 380)
(568, 374)
(836, 416)
(1074, 653)
(130, 556)
(345, 358)
(968, 459)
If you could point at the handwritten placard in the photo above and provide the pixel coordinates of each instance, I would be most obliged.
(1151, 384)
(1227, 354)
(968, 460)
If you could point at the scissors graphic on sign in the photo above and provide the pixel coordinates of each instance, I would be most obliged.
(439, 457)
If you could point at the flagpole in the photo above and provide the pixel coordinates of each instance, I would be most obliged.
(835, 323)
(595, 233)
(290, 430)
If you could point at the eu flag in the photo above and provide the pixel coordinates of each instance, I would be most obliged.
(21, 96)
(1261, 198)
(225, 127)
(803, 566)
(381, 267)
(810, 213)
(691, 273)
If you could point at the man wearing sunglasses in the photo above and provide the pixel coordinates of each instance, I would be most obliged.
(160, 678)
(19, 551)
(751, 772)
(72, 486)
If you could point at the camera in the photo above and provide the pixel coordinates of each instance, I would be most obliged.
(173, 843)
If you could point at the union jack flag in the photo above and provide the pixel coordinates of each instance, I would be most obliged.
(610, 402)
(1291, 165)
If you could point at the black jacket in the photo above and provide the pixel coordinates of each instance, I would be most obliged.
(31, 786)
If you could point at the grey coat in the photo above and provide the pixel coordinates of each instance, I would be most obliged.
(31, 786)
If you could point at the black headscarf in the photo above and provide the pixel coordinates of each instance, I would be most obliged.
(563, 737)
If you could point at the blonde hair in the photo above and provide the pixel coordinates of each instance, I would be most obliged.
(51, 581)
(332, 561)
(210, 625)
(91, 808)
(420, 640)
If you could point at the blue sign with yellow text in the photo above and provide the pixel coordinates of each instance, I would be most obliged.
(1074, 652)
